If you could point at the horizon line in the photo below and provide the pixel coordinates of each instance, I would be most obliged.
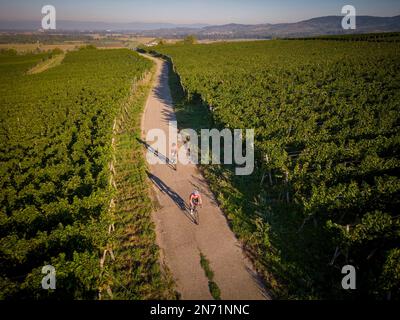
(195, 23)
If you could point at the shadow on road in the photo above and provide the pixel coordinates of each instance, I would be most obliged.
(162, 157)
(168, 115)
(172, 194)
(162, 88)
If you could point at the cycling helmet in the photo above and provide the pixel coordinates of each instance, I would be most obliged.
(196, 192)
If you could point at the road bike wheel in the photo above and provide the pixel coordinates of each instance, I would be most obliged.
(196, 216)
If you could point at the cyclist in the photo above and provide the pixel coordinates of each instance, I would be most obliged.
(195, 200)
(174, 155)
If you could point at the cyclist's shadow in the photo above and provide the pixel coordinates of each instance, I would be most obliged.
(172, 194)
(158, 154)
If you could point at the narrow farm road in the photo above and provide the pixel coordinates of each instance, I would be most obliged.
(181, 240)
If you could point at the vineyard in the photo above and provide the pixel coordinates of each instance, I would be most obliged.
(325, 192)
(68, 151)
(371, 37)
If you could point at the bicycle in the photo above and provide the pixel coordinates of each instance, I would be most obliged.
(174, 163)
(194, 211)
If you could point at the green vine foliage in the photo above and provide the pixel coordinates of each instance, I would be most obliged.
(325, 192)
(55, 149)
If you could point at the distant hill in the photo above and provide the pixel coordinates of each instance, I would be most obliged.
(313, 27)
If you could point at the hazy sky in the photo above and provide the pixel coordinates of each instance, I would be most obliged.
(193, 11)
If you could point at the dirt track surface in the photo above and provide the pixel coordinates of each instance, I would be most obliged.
(179, 238)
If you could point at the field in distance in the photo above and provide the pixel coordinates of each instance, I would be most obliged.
(31, 42)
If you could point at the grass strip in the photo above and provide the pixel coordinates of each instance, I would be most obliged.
(212, 286)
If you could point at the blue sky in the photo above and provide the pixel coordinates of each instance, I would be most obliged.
(193, 11)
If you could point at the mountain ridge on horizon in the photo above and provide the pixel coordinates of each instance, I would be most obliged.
(316, 26)
(311, 27)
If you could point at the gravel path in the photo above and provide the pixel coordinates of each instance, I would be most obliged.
(181, 240)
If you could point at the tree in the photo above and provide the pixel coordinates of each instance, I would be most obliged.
(190, 39)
